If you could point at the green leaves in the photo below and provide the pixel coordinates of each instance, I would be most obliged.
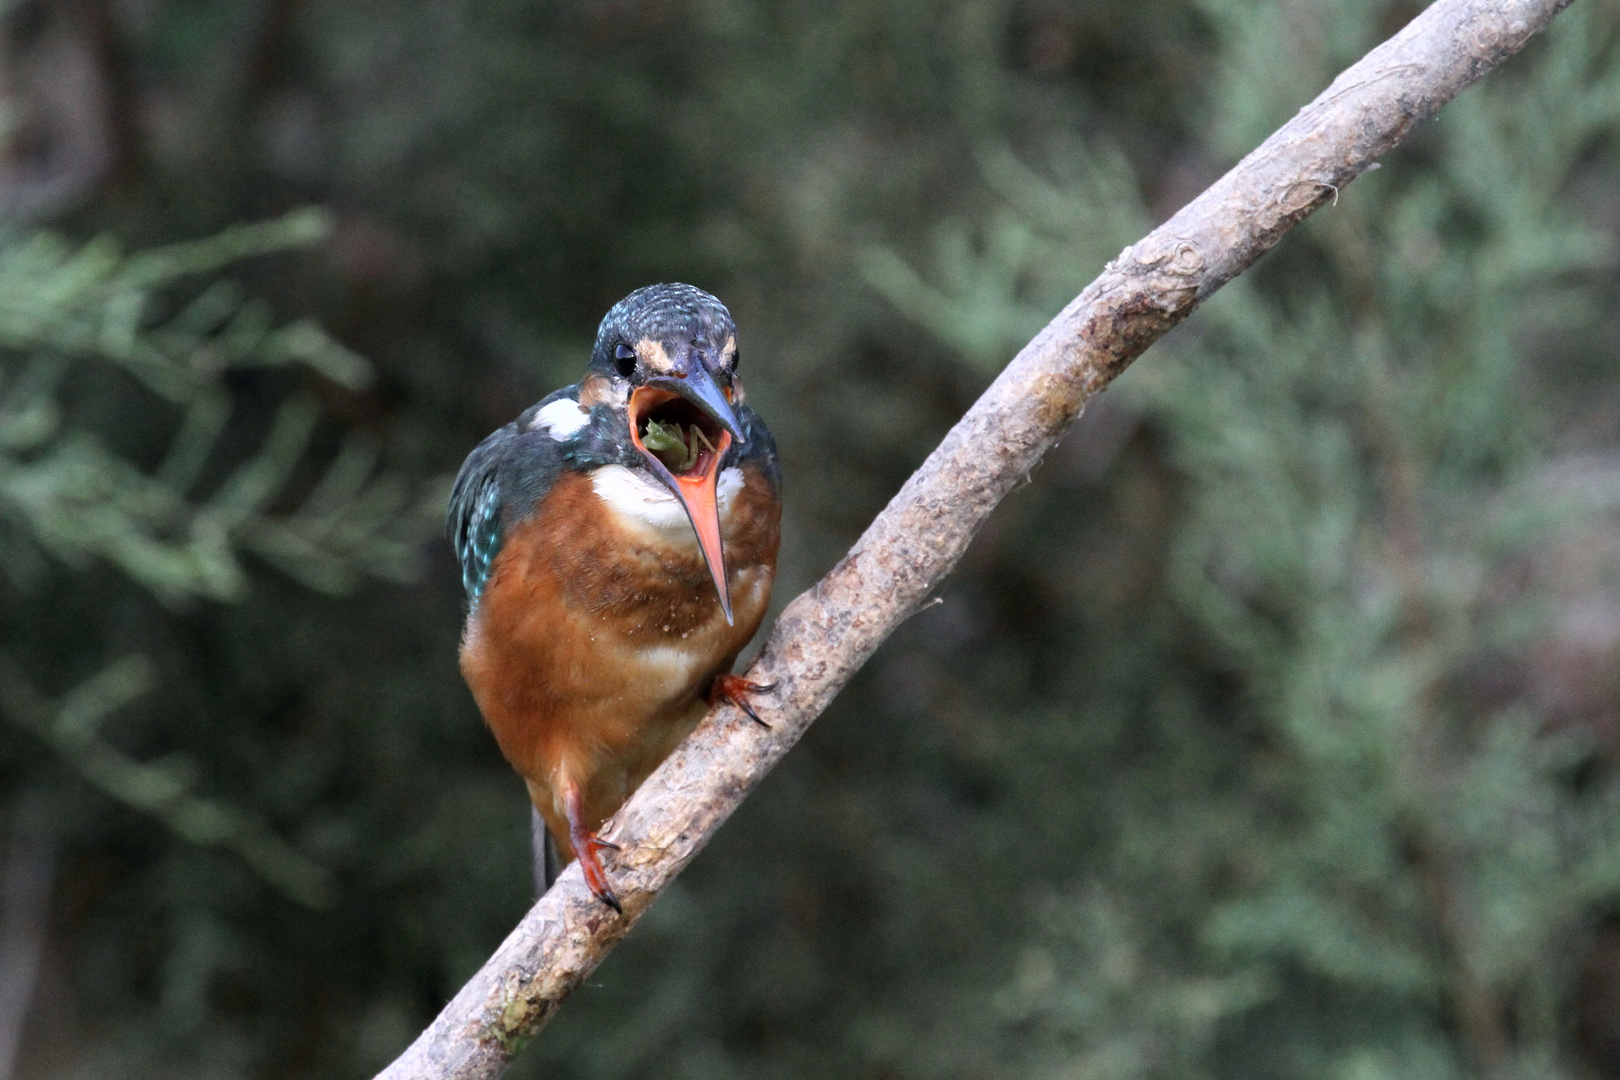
(179, 531)
(61, 307)
(167, 789)
(1365, 466)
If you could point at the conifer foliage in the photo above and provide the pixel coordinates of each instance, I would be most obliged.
(1268, 733)
(178, 530)
(1367, 469)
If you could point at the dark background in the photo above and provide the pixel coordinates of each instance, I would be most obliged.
(1271, 731)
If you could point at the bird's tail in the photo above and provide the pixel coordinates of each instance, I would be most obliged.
(548, 863)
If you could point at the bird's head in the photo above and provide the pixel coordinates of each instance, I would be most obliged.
(667, 356)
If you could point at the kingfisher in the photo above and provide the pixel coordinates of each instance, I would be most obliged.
(618, 545)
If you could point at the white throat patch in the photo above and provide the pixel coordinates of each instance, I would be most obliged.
(640, 501)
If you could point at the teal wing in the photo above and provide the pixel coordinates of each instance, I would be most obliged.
(499, 485)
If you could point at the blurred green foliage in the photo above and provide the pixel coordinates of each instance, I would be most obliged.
(1271, 732)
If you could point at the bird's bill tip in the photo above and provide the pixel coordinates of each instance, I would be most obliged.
(700, 496)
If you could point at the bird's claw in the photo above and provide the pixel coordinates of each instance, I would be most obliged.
(586, 844)
(595, 875)
(733, 688)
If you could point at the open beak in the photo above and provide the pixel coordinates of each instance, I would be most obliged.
(695, 404)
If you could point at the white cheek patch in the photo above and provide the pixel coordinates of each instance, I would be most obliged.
(562, 418)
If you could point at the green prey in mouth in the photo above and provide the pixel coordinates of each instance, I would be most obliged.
(677, 445)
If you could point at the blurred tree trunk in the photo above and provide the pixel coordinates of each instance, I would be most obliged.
(70, 110)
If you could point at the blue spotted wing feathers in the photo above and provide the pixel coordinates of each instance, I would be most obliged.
(500, 483)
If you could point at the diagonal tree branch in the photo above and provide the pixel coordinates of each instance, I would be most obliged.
(826, 634)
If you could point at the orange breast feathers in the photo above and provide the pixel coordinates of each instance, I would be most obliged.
(600, 630)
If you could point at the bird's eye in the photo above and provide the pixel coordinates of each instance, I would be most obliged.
(624, 358)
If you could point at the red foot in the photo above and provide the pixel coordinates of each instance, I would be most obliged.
(586, 844)
(732, 688)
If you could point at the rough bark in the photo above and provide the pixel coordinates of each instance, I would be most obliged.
(826, 634)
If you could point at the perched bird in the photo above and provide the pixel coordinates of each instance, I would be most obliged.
(618, 544)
